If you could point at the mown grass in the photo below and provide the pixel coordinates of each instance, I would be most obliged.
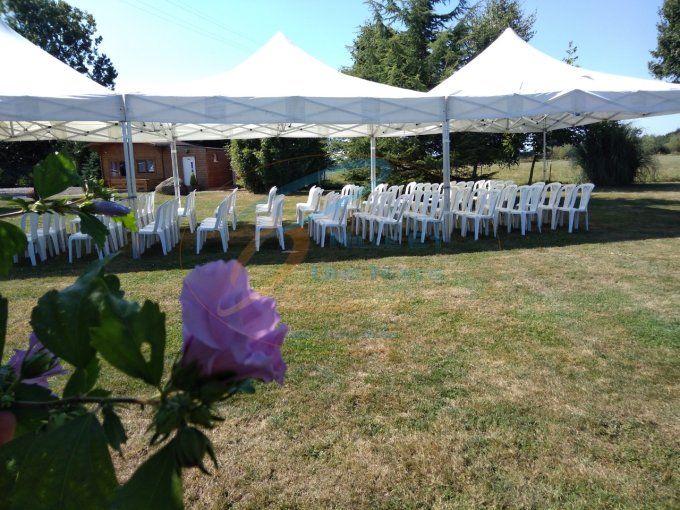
(535, 372)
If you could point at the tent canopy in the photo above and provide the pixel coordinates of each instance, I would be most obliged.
(283, 91)
(513, 87)
(41, 98)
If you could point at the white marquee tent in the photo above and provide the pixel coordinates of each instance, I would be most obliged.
(513, 87)
(281, 91)
(41, 98)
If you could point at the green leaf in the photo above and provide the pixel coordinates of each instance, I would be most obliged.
(126, 333)
(3, 324)
(68, 468)
(157, 484)
(30, 419)
(62, 320)
(113, 428)
(89, 224)
(83, 379)
(12, 242)
(12, 456)
(128, 221)
(54, 174)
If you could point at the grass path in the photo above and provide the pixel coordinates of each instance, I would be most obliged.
(518, 372)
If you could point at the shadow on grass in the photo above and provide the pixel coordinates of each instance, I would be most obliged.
(612, 219)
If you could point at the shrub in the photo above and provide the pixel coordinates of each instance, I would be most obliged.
(612, 154)
(193, 181)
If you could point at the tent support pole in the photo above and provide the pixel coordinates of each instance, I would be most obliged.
(130, 178)
(446, 170)
(373, 177)
(173, 161)
(545, 162)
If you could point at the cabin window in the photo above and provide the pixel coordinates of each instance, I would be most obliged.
(146, 166)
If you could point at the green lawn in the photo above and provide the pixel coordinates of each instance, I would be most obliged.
(513, 372)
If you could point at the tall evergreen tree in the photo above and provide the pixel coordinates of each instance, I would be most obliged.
(418, 43)
(666, 61)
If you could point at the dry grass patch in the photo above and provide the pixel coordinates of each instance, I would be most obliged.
(519, 373)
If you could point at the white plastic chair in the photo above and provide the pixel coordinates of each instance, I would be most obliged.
(562, 202)
(338, 222)
(310, 206)
(189, 211)
(395, 220)
(482, 212)
(219, 223)
(428, 217)
(35, 237)
(546, 203)
(273, 222)
(161, 228)
(578, 205)
(76, 239)
(328, 210)
(266, 208)
(232, 209)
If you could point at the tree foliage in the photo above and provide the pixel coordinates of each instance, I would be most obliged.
(261, 164)
(666, 56)
(613, 154)
(418, 43)
(63, 31)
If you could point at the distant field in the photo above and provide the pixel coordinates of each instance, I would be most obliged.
(560, 170)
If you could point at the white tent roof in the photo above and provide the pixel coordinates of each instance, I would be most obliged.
(512, 86)
(283, 91)
(41, 98)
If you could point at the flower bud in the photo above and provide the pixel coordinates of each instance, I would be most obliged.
(107, 208)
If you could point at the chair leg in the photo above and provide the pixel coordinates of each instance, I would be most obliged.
(225, 238)
(257, 239)
(233, 220)
(571, 221)
(587, 226)
(31, 253)
(380, 231)
(279, 231)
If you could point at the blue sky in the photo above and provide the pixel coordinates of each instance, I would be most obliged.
(177, 40)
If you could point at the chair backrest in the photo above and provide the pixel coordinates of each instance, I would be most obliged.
(150, 202)
(581, 194)
(29, 224)
(162, 216)
(316, 198)
(410, 187)
(346, 190)
(479, 184)
(401, 206)
(270, 197)
(549, 194)
(524, 193)
(329, 204)
(490, 202)
(535, 196)
(436, 200)
(340, 213)
(472, 199)
(277, 210)
(190, 203)
(508, 197)
(57, 222)
(564, 195)
(381, 187)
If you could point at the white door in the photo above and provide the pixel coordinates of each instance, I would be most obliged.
(189, 167)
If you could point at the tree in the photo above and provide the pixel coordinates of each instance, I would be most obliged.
(65, 32)
(413, 44)
(277, 161)
(666, 61)
(613, 154)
